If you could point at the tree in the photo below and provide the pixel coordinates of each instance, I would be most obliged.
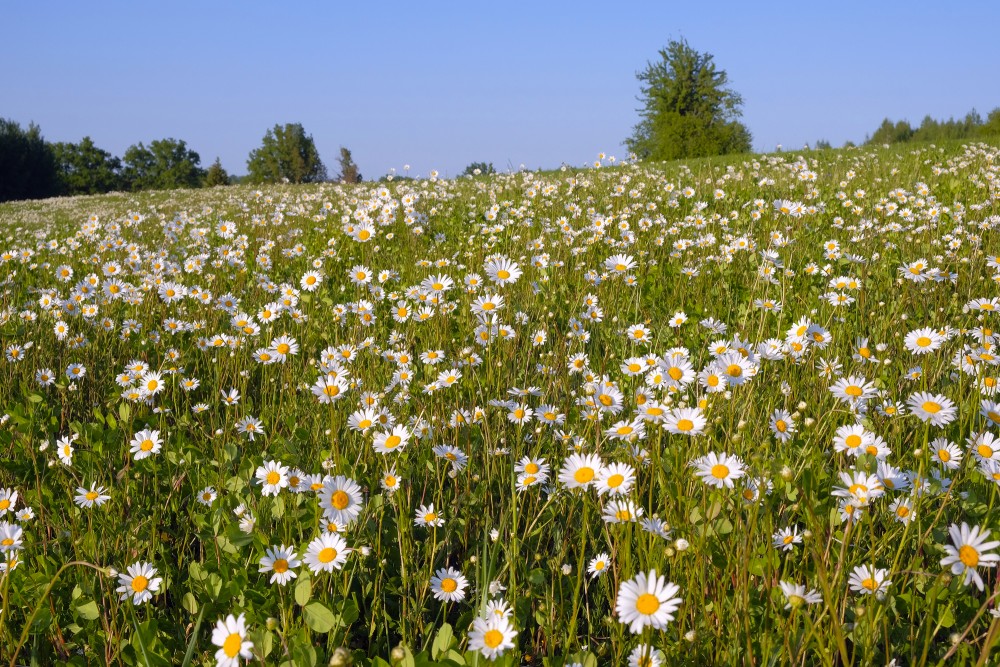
(483, 168)
(687, 110)
(216, 175)
(165, 165)
(348, 170)
(27, 163)
(85, 169)
(286, 152)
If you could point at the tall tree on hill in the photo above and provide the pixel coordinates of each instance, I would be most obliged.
(27, 163)
(687, 108)
(348, 170)
(286, 153)
(165, 164)
(216, 175)
(85, 169)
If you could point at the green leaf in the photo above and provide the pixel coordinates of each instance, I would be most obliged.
(318, 617)
(88, 611)
(189, 603)
(303, 590)
(442, 642)
(35, 398)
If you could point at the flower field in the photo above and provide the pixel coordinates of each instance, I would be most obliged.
(730, 411)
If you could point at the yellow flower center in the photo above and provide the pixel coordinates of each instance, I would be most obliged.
(339, 500)
(280, 566)
(91, 495)
(147, 445)
(647, 604)
(327, 555)
(449, 585)
(583, 475)
(853, 440)
(139, 583)
(781, 425)
(969, 556)
(615, 481)
(853, 390)
(493, 638)
(392, 441)
(931, 407)
(503, 275)
(685, 425)
(923, 341)
(870, 584)
(720, 471)
(273, 477)
(231, 647)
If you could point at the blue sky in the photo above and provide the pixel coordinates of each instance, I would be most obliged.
(439, 85)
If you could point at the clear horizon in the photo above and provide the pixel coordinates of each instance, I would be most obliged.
(439, 87)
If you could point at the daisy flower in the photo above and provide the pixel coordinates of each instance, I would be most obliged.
(491, 636)
(326, 553)
(341, 499)
(273, 477)
(797, 595)
(145, 443)
(579, 470)
(282, 561)
(599, 565)
(139, 583)
(970, 551)
(869, 580)
(230, 635)
(937, 409)
(426, 517)
(448, 585)
(95, 495)
(647, 600)
(719, 470)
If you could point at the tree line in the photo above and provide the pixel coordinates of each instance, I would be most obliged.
(33, 168)
(971, 127)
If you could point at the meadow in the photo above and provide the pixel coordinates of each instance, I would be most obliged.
(730, 411)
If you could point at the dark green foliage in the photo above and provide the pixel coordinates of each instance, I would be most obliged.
(484, 168)
(687, 109)
(216, 175)
(286, 153)
(972, 126)
(822, 145)
(348, 169)
(166, 164)
(27, 163)
(85, 169)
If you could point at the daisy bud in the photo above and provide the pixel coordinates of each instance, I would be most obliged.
(473, 559)
(786, 473)
(796, 414)
(567, 568)
(398, 655)
(918, 452)
(802, 405)
(340, 658)
(690, 636)
(681, 544)
(737, 437)
(806, 534)
(859, 611)
(809, 422)
(271, 623)
(669, 551)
